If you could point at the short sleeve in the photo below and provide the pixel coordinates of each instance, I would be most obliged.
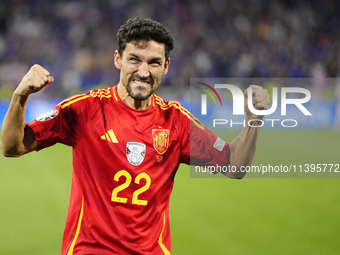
(55, 126)
(202, 147)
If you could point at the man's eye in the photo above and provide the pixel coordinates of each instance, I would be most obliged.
(133, 59)
(155, 63)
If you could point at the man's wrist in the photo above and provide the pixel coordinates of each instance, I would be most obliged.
(19, 97)
(254, 120)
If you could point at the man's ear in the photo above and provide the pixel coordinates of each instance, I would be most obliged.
(166, 67)
(117, 60)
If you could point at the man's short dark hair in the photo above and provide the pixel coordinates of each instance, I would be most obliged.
(138, 29)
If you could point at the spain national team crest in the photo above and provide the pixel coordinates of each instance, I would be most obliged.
(135, 153)
(161, 140)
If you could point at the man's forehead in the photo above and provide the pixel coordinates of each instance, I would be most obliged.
(151, 47)
(141, 44)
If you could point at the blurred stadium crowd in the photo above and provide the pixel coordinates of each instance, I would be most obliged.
(75, 40)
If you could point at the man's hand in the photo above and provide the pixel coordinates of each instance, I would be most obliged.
(36, 79)
(260, 101)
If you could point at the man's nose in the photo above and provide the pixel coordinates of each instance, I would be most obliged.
(143, 70)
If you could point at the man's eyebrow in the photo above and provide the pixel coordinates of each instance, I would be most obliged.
(156, 59)
(151, 60)
(133, 55)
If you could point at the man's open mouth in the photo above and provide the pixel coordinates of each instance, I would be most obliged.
(139, 82)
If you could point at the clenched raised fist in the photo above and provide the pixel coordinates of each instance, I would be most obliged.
(36, 79)
(260, 101)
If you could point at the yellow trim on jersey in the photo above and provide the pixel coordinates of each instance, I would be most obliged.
(177, 105)
(93, 93)
(114, 93)
(73, 101)
(104, 96)
(71, 98)
(70, 250)
(165, 250)
(101, 93)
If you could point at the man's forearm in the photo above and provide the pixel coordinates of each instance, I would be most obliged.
(243, 148)
(13, 127)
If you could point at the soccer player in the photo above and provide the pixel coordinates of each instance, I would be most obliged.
(127, 146)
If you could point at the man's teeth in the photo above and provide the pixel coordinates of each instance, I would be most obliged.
(141, 82)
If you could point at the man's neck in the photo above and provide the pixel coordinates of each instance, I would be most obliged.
(129, 101)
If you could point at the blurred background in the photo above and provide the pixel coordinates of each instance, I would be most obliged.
(75, 40)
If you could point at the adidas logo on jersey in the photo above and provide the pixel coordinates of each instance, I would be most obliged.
(110, 136)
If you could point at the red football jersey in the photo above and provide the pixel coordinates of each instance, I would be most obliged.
(124, 164)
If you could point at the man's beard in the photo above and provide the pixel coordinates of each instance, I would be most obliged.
(138, 96)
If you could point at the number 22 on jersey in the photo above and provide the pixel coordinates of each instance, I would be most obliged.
(128, 179)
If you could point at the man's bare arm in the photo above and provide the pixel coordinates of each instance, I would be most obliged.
(243, 148)
(17, 138)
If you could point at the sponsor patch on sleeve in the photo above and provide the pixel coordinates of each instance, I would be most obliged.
(219, 144)
(48, 115)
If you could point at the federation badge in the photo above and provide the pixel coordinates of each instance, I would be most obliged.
(48, 115)
(219, 144)
(135, 153)
(161, 140)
